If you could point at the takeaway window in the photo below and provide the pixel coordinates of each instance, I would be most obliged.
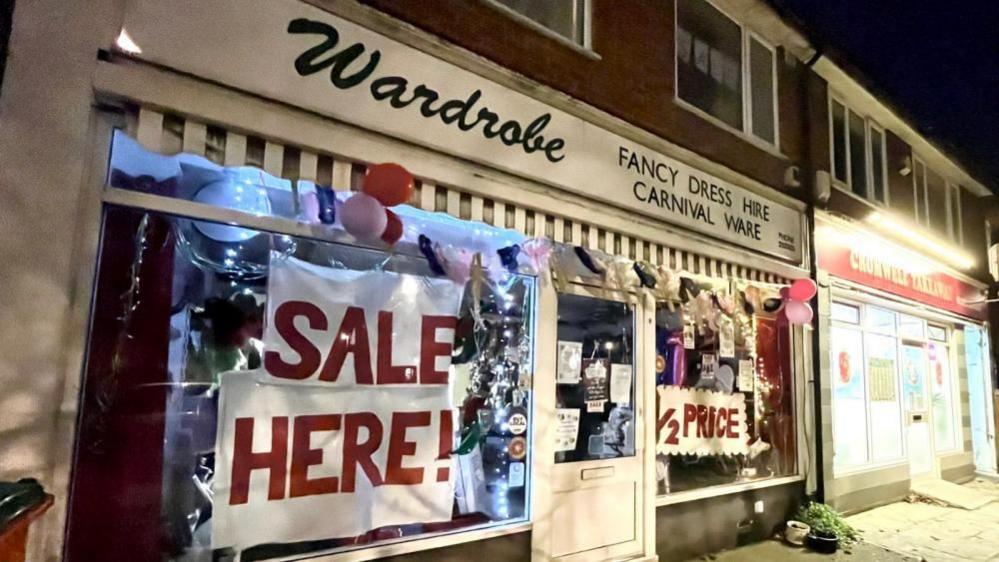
(725, 71)
(243, 382)
(733, 363)
(568, 19)
(864, 380)
(857, 153)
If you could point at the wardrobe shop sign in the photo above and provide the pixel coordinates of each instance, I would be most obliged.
(298, 54)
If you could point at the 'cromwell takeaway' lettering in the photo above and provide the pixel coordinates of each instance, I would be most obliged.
(460, 113)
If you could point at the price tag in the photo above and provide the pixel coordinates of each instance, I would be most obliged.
(747, 375)
(688, 335)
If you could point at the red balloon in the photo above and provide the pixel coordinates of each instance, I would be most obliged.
(393, 228)
(802, 290)
(389, 183)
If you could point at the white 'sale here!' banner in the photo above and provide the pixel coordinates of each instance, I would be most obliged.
(701, 422)
(348, 426)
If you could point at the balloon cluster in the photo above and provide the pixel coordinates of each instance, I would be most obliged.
(796, 297)
(366, 215)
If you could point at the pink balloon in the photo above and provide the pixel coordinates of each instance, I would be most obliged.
(802, 290)
(798, 312)
(363, 217)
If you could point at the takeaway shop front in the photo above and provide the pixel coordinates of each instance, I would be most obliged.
(556, 342)
(906, 362)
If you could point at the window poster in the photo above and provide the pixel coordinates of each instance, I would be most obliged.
(847, 364)
(620, 384)
(566, 429)
(570, 359)
(595, 383)
(914, 377)
(356, 405)
(881, 377)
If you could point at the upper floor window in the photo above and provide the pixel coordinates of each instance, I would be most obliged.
(726, 71)
(858, 153)
(919, 192)
(569, 19)
(954, 227)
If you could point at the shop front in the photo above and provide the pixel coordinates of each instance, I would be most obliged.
(555, 339)
(906, 368)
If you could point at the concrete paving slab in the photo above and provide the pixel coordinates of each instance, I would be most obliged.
(777, 551)
(952, 494)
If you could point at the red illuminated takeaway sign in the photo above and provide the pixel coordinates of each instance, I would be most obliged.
(861, 263)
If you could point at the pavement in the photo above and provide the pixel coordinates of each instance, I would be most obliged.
(917, 530)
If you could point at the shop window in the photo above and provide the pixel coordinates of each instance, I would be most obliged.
(880, 320)
(850, 434)
(725, 71)
(848, 313)
(569, 19)
(941, 397)
(189, 347)
(721, 366)
(857, 153)
(912, 328)
(884, 405)
(936, 333)
(594, 376)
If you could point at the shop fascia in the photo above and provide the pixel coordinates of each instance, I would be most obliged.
(858, 254)
(335, 67)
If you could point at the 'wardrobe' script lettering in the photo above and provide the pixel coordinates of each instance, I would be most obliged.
(397, 91)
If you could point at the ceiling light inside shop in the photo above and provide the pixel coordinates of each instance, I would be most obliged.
(922, 242)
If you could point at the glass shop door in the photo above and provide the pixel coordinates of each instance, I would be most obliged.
(598, 485)
(915, 391)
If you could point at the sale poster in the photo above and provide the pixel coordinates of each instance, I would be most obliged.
(350, 416)
(701, 422)
(595, 383)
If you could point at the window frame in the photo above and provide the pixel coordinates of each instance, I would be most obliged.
(955, 222)
(923, 217)
(584, 44)
(869, 125)
(746, 131)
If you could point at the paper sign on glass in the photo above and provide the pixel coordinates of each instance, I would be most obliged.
(747, 375)
(566, 429)
(570, 357)
(620, 384)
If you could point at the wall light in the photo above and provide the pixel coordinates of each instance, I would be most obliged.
(126, 44)
(922, 242)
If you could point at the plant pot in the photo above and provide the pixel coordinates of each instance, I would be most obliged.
(796, 532)
(822, 542)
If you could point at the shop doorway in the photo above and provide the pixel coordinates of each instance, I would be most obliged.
(919, 439)
(598, 478)
(976, 353)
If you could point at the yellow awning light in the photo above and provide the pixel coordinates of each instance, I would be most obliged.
(920, 242)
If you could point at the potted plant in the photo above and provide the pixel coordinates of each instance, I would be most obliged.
(828, 529)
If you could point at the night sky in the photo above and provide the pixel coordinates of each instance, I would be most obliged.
(936, 62)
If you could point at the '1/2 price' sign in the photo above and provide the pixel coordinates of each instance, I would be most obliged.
(700, 422)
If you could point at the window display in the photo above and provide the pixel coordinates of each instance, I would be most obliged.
(241, 381)
(595, 417)
(724, 391)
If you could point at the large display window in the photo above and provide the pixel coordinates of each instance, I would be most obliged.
(884, 366)
(725, 389)
(260, 394)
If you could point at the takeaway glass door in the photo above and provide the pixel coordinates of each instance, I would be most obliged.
(598, 440)
(914, 389)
